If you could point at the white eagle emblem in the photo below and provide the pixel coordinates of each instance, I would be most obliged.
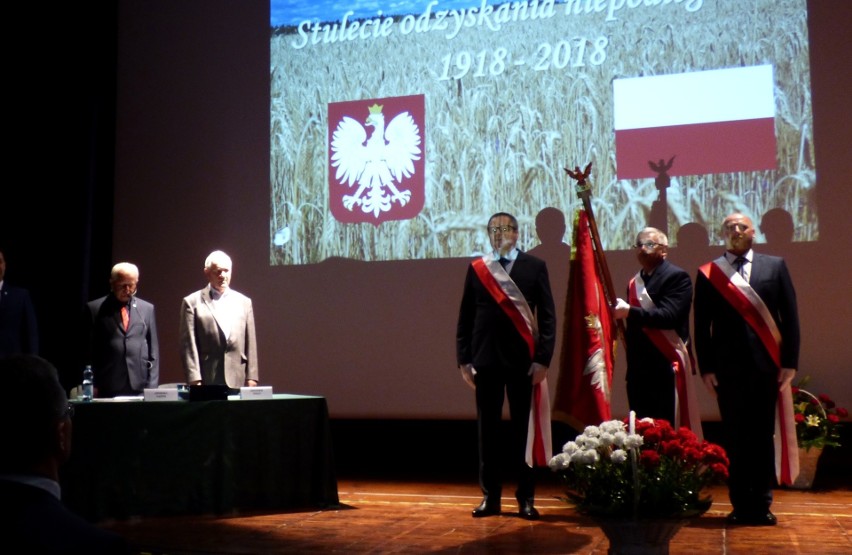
(596, 363)
(379, 163)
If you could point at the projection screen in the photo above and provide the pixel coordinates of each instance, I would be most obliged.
(396, 128)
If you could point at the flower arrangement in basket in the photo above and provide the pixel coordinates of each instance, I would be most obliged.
(817, 418)
(642, 469)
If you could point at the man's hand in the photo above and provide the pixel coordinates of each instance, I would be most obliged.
(621, 308)
(538, 372)
(785, 376)
(251, 383)
(710, 383)
(468, 372)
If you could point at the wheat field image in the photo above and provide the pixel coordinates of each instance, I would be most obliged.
(499, 138)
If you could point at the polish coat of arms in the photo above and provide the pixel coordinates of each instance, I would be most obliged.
(376, 159)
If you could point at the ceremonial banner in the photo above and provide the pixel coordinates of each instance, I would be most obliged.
(718, 121)
(584, 386)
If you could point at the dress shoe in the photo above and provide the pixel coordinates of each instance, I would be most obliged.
(735, 517)
(486, 508)
(527, 511)
(760, 519)
(763, 519)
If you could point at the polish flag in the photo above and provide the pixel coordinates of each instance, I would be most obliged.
(716, 121)
(584, 389)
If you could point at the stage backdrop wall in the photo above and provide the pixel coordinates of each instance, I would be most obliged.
(377, 339)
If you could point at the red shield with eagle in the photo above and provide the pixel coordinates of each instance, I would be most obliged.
(376, 159)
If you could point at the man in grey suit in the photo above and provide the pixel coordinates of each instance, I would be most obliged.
(747, 342)
(217, 336)
(122, 337)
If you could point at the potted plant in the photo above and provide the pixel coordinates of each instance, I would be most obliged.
(817, 426)
(641, 480)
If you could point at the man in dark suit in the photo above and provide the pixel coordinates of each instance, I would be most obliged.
(217, 335)
(657, 334)
(35, 424)
(504, 343)
(122, 337)
(18, 329)
(747, 342)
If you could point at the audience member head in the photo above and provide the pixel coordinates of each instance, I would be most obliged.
(35, 422)
(217, 269)
(123, 281)
(550, 225)
(692, 235)
(777, 226)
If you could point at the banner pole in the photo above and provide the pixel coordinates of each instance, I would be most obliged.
(584, 192)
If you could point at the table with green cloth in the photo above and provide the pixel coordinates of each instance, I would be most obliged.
(146, 458)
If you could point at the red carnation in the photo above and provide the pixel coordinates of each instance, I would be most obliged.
(649, 459)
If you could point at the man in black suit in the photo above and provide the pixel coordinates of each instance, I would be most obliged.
(35, 423)
(122, 337)
(504, 343)
(657, 334)
(747, 342)
(18, 329)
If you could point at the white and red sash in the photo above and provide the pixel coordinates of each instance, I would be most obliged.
(669, 343)
(512, 301)
(745, 300)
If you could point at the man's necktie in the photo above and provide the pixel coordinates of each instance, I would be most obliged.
(739, 264)
(125, 317)
(504, 262)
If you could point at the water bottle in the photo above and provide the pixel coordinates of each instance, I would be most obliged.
(88, 383)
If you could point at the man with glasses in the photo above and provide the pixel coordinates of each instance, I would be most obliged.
(747, 342)
(659, 371)
(35, 424)
(121, 341)
(504, 343)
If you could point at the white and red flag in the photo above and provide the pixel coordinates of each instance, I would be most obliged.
(584, 386)
(716, 121)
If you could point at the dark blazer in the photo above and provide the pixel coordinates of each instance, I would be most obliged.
(34, 521)
(725, 343)
(122, 359)
(486, 336)
(670, 287)
(207, 354)
(18, 329)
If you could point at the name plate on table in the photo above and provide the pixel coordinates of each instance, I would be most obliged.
(165, 394)
(257, 392)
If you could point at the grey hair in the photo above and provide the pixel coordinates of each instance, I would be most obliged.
(124, 268)
(659, 236)
(215, 256)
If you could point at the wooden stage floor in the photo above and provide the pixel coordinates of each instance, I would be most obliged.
(427, 517)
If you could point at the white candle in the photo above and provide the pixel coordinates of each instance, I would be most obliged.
(632, 427)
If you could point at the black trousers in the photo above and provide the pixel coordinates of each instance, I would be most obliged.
(747, 402)
(651, 394)
(492, 385)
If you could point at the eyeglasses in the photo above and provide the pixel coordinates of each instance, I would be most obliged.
(68, 412)
(648, 245)
(503, 228)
